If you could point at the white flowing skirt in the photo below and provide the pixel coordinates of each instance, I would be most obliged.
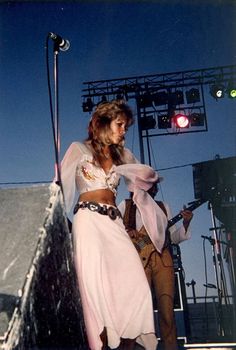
(114, 290)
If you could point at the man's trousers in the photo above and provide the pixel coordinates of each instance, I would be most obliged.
(160, 275)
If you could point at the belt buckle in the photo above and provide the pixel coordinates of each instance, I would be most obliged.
(112, 213)
(93, 206)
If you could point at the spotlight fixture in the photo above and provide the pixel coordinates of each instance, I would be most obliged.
(197, 119)
(88, 105)
(103, 100)
(134, 87)
(145, 100)
(160, 98)
(231, 90)
(148, 122)
(164, 121)
(217, 91)
(181, 120)
(119, 97)
(122, 93)
(176, 98)
(192, 95)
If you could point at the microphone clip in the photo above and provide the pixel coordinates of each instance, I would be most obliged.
(59, 43)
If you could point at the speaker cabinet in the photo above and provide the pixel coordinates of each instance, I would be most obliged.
(214, 181)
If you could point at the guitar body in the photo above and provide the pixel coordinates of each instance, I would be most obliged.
(144, 246)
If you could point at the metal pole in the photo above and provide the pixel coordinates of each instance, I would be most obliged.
(56, 115)
(192, 284)
(141, 148)
(217, 257)
(148, 149)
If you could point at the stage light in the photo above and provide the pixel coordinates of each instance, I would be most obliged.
(181, 120)
(232, 93)
(231, 90)
(145, 100)
(133, 87)
(122, 93)
(197, 119)
(103, 100)
(217, 91)
(88, 105)
(164, 121)
(160, 98)
(119, 97)
(192, 95)
(176, 98)
(148, 122)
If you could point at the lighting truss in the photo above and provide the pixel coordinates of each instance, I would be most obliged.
(132, 86)
(161, 96)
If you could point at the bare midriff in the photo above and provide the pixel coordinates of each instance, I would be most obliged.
(104, 196)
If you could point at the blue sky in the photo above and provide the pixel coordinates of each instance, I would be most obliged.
(114, 39)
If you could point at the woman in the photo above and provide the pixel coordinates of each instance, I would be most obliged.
(115, 295)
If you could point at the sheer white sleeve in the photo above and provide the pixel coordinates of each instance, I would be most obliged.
(139, 178)
(68, 173)
(129, 158)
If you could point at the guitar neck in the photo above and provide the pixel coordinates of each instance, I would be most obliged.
(179, 216)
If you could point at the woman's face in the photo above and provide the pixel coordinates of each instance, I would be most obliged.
(118, 129)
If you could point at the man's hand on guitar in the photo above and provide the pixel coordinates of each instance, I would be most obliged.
(132, 233)
(187, 217)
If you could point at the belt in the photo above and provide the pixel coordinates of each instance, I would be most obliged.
(112, 212)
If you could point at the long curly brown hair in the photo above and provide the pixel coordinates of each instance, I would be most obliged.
(99, 131)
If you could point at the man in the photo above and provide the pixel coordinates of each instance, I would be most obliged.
(158, 265)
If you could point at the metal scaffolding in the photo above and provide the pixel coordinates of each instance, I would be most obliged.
(160, 97)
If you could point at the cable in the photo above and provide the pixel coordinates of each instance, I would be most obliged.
(14, 183)
(159, 184)
(206, 280)
(50, 96)
(176, 167)
(55, 132)
(23, 183)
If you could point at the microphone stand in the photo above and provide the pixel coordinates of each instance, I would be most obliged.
(219, 282)
(56, 116)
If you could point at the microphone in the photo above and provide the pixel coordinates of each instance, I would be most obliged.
(211, 240)
(209, 285)
(63, 44)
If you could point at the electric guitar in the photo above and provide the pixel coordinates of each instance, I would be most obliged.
(143, 243)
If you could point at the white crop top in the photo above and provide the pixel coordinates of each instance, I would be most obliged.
(80, 174)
